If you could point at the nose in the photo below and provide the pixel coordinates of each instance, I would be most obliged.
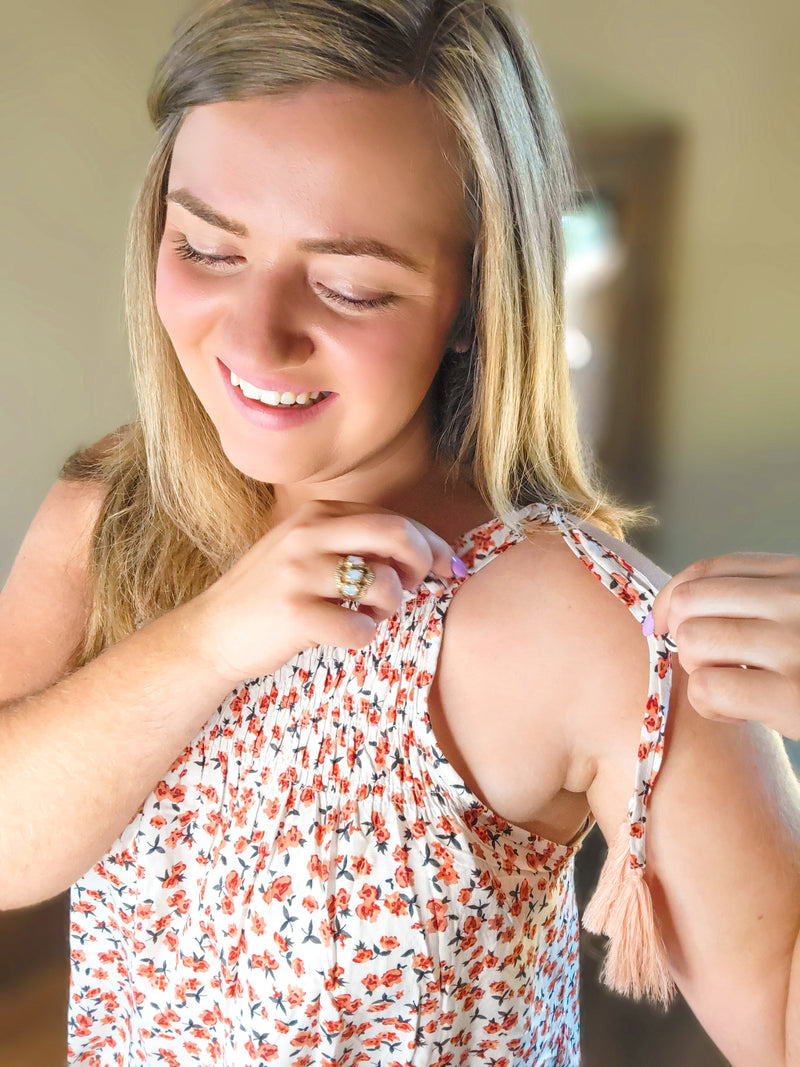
(266, 325)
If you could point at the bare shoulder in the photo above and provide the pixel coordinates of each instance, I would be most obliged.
(44, 604)
(561, 662)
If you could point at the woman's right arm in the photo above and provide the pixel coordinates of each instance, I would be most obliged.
(79, 754)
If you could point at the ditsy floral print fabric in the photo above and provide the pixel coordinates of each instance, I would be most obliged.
(313, 884)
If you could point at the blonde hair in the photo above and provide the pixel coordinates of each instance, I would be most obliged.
(177, 512)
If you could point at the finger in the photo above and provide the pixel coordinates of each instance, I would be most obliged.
(731, 693)
(383, 596)
(734, 564)
(441, 551)
(726, 642)
(765, 597)
(337, 627)
(394, 538)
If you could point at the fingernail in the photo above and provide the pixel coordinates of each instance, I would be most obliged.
(648, 625)
(458, 567)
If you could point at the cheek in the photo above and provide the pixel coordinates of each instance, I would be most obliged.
(183, 307)
(399, 357)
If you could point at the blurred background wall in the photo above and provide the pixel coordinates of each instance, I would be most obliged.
(728, 423)
(76, 139)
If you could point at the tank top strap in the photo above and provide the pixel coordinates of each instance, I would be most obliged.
(637, 591)
(480, 546)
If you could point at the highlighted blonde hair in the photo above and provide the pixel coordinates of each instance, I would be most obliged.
(177, 512)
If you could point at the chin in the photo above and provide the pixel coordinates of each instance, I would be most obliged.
(271, 470)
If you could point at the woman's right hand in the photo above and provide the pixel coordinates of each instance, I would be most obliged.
(281, 596)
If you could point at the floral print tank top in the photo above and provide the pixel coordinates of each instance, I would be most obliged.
(313, 884)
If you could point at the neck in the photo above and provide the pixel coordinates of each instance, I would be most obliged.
(415, 485)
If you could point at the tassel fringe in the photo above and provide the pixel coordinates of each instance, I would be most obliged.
(622, 909)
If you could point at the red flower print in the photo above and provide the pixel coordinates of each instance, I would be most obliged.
(295, 995)
(334, 977)
(388, 943)
(394, 903)
(179, 901)
(176, 793)
(267, 1052)
(196, 965)
(368, 910)
(279, 889)
(379, 830)
(653, 722)
(360, 865)
(344, 1003)
(362, 955)
(447, 874)
(438, 920)
(166, 1017)
(371, 982)
(340, 902)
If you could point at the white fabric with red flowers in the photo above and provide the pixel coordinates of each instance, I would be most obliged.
(313, 884)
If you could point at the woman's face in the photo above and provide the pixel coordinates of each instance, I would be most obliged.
(315, 248)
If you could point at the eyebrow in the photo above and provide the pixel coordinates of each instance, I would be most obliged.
(341, 246)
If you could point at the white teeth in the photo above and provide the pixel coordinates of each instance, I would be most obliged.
(272, 398)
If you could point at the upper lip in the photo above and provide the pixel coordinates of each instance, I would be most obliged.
(273, 385)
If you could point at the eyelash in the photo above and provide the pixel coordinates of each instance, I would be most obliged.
(185, 251)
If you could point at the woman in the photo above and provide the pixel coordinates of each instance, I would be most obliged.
(320, 825)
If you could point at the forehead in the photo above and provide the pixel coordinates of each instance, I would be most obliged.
(334, 158)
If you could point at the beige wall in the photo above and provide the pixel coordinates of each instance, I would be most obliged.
(76, 138)
(728, 422)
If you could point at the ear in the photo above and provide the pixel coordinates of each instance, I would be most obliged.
(462, 331)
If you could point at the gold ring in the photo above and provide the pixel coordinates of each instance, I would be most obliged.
(354, 576)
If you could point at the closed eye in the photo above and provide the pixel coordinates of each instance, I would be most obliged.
(349, 301)
(185, 251)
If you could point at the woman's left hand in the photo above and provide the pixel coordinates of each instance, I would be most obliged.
(732, 611)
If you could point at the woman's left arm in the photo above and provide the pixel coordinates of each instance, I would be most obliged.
(723, 823)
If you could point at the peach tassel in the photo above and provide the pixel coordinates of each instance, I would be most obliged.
(622, 909)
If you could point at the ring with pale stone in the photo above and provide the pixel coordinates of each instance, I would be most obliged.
(354, 576)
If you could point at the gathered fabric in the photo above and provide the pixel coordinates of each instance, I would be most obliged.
(312, 883)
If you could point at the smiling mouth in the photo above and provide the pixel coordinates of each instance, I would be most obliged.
(271, 399)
